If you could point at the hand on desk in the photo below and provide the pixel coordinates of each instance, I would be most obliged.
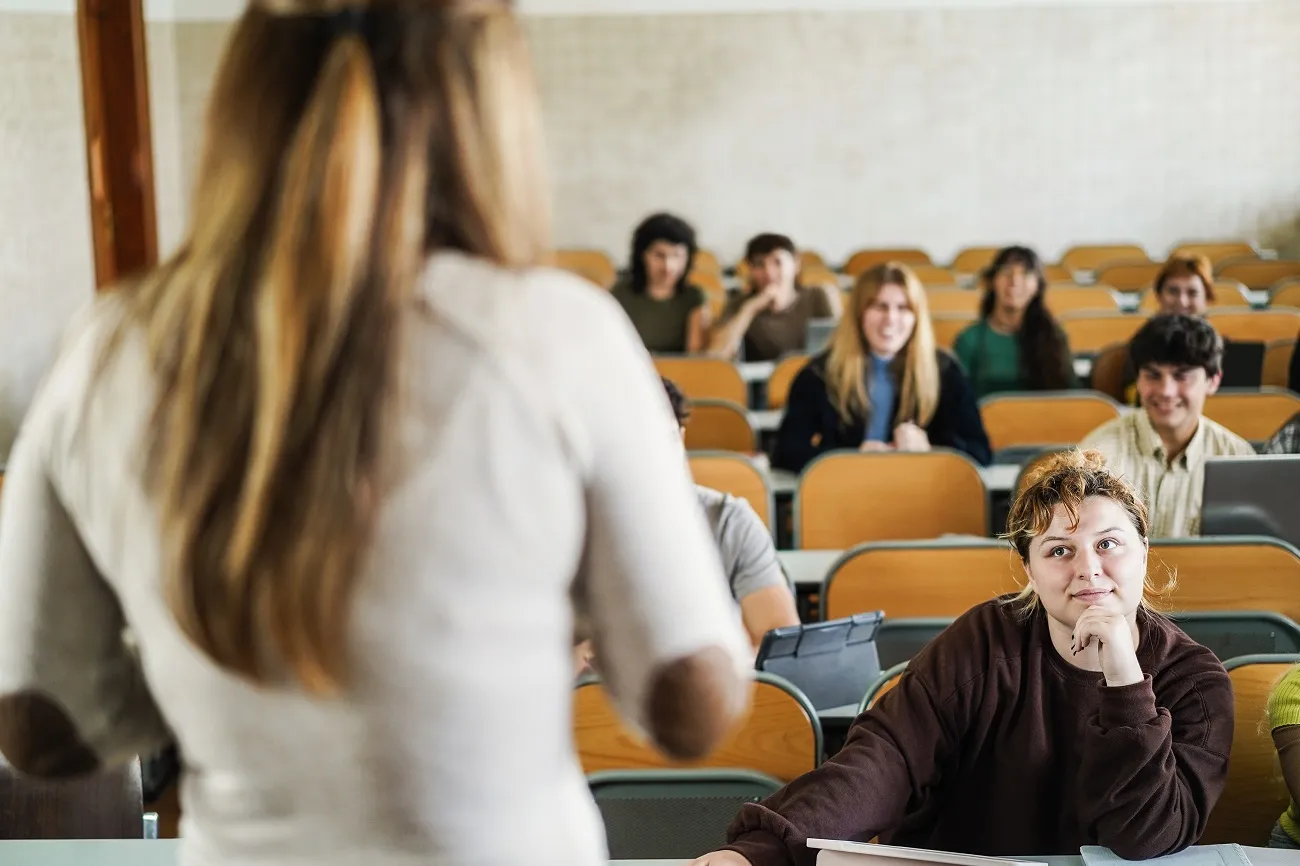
(911, 437)
(721, 858)
(875, 446)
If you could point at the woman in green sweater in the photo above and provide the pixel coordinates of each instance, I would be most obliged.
(1016, 345)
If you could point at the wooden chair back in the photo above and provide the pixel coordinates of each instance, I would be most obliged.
(719, 425)
(866, 259)
(710, 281)
(707, 260)
(1277, 363)
(734, 474)
(1227, 573)
(1258, 326)
(934, 275)
(935, 578)
(1285, 294)
(846, 498)
(107, 805)
(593, 265)
(1129, 276)
(1092, 299)
(1013, 420)
(778, 384)
(780, 735)
(1255, 793)
(974, 260)
(1092, 332)
(1216, 251)
(965, 302)
(1252, 415)
(1091, 257)
(948, 325)
(704, 378)
(1108, 371)
(1256, 273)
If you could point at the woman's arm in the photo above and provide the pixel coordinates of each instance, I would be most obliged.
(893, 754)
(73, 697)
(802, 435)
(1153, 768)
(727, 335)
(666, 635)
(957, 422)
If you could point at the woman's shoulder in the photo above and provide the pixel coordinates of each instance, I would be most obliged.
(967, 336)
(1173, 658)
(988, 634)
(1284, 700)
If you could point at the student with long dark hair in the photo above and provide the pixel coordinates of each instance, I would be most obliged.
(1017, 345)
(669, 311)
(344, 466)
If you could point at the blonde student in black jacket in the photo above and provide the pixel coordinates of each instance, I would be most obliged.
(882, 385)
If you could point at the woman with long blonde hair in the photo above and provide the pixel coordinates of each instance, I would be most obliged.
(1069, 715)
(341, 466)
(881, 385)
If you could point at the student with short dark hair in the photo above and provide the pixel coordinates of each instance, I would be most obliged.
(669, 311)
(770, 318)
(1017, 345)
(882, 385)
(1162, 448)
(1067, 715)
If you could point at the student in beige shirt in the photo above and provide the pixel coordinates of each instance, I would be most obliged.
(1162, 447)
(342, 467)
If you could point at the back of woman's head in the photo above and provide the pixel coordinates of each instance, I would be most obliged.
(666, 228)
(343, 145)
(1042, 345)
(918, 393)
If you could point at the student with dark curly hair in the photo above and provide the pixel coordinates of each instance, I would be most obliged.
(669, 312)
(1017, 344)
(1162, 448)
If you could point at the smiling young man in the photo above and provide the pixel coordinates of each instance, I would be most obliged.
(1162, 447)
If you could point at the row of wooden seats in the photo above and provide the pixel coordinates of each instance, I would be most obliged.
(1031, 418)
(597, 266)
(781, 737)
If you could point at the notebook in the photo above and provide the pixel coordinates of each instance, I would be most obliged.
(1197, 855)
(834, 853)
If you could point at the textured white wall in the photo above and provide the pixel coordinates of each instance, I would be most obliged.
(937, 127)
(46, 264)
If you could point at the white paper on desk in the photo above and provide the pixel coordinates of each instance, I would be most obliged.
(836, 853)
(1197, 855)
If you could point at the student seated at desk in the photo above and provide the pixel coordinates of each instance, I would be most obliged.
(882, 385)
(1068, 715)
(1017, 344)
(1162, 447)
(749, 560)
(669, 311)
(1284, 722)
(770, 318)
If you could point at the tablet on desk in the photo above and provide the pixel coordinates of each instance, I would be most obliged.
(832, 663)
(836, 853)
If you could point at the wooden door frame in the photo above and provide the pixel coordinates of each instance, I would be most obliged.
(119, 137)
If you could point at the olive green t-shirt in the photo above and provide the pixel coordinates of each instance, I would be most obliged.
(661, 324)
(773, 333)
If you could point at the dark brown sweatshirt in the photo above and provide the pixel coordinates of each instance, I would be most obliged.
(991, 743)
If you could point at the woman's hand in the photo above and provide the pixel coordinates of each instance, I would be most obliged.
(910, 437)
(1113, 635)
(875, 446)
(721, 858)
